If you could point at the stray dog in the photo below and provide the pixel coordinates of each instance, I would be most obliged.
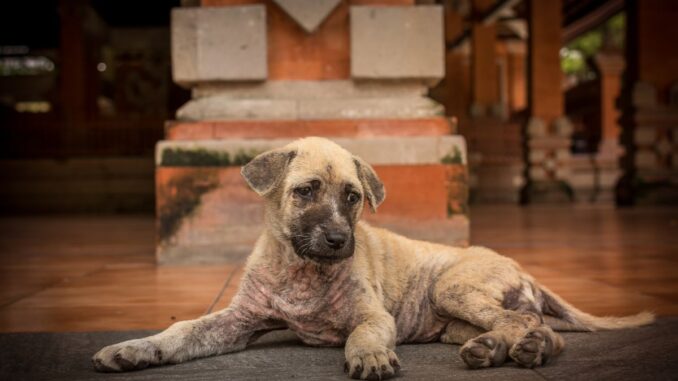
(334, 280)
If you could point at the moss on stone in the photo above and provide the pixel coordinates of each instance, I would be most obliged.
(179, 157)
(182, 196)
(454, 157)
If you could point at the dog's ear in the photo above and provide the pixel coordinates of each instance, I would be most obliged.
(264, 172)
(374, 188)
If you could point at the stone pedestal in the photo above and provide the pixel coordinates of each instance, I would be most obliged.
(654, 145)
(287, 72)
(549, 161)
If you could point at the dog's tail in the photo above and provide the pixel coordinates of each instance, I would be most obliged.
(562, 316)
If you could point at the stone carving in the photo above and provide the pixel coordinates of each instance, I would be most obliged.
(309, 14)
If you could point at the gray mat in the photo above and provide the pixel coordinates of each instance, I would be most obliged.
(648, 353)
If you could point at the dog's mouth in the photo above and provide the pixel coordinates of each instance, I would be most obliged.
(311, 250)
(324, 259)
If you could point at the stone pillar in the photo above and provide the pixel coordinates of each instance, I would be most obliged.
(484, 64)
(548, 130)
(265, 72)
(650, 104)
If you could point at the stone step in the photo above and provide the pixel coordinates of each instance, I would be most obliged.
(220, 107)
(376, 150)
(209, 214)
(272, 129)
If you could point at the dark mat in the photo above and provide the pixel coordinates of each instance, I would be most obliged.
(648, 353)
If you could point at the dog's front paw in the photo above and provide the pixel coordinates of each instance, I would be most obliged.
(126, 356)
(536, 347)
(484, 351)
(373, 365)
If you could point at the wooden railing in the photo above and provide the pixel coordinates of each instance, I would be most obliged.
(40, 137)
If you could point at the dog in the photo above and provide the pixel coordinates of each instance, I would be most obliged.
(335, 280)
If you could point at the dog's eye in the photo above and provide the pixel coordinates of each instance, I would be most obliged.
(353, 198)
(305, 191)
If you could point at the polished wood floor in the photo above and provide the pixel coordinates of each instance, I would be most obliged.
(75, 273)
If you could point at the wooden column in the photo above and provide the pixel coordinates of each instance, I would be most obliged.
(457, 68)
(548, 132)
(545, 76)
(516, 68)
(610, 67)
(485, 83)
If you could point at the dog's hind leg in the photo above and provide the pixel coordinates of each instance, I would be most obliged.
(521, 335)
(459, 332)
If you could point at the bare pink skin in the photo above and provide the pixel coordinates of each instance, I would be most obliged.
(317, 302)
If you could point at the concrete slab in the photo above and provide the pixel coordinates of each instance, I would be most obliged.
(420, 107)
(226, 108)
(272, 129)
(397, 42)
(330, 89)
(450, 149)
(219, 44)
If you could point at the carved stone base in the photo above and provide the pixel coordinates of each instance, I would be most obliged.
(548, 171)
(651, 167)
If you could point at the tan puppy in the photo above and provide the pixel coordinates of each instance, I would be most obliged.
(336, 281)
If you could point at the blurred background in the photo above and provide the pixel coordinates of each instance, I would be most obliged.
(547, 130)
(85, 88)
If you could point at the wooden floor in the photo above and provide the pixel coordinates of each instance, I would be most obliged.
(66, 273)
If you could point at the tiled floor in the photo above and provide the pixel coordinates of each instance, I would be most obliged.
(74, 273)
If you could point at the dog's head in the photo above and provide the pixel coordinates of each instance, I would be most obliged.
(315, 191)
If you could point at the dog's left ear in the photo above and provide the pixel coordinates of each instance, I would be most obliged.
(265, 171)
(374, 188)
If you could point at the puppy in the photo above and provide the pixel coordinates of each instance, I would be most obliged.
(334, 280)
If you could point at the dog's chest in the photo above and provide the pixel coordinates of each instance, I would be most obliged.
(316, 304)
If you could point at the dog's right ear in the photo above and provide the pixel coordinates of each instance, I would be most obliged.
(265, 171)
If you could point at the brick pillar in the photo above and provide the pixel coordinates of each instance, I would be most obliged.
(650, 104)
(548, 131)
(484, 72)
(265, 72)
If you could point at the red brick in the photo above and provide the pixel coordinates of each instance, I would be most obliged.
(271, 129)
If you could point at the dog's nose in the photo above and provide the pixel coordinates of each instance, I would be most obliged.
(335, 240)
